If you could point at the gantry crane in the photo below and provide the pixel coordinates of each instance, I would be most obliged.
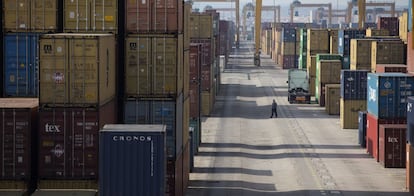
(364, 5)
(237, 16)
(298, 4)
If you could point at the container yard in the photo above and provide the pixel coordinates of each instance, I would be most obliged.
(170, 97)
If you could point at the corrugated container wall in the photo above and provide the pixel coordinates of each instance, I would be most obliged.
(387, 94)
(77, 69)
(195, 90)
(362, 129)
(332, 99)
(21, 54)
(388, 52)
(389, 23)
(349, 112)
(410, 120)
(154, 65)
(354, 84)
(158, 111)
(30, 15)
(99, 16)
(317, 41)
(391, 146)
(361, 54)
(69, 144)
(410, 53)
(384, 68)
(328, 71)
(201, 25)
(403, 27)
(186, 24)
(18, 126)
(132, 160)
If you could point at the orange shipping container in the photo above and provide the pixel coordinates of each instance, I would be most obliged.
(77, 69)
(154, 65)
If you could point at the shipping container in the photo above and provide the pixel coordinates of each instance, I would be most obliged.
(288, 35)
(159, 111)
(288, 61)
(345, 37)
(332, 99)
(328, 71)
(195, 90)
(174, 179)
(68, 145)
(311, 65)
(410, 53)
(387, 94)
(186, 119)
(373, 124)
(410, 120)
(132, 160)
(320, 93)
(21, 54)
(409, 168)
(215, 20)
(312, 85)
(396, 68)
(30, 15)
(391, 146)
(186, 24)
(288, 48)
(154, 65)
(201, 25)
(317, 40)
(192, 148)
(388, 52)
(349, 112)
(376, 32)
(18, 141)
(77, 69)
(207, 102)
(85, 16)
(360, 57)
(186, 166)
(354, 84)
(67, 192)
(362, 129)
(389, 23)
(403, 27)
(186, 73)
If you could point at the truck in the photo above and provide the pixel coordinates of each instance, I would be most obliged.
(298, 86)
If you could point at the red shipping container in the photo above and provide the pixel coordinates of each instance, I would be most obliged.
(383, 68)
(392, 140)
(174, 177)
(410, 53)
(155, 16)
(68, 141)
(373, 132)
(206, 50)
(195, 68)
(18, 126)
(391, 24)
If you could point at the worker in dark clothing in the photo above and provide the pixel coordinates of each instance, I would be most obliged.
(274, 109)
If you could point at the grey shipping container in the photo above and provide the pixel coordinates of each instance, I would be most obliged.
(159, 111)
(132, 160)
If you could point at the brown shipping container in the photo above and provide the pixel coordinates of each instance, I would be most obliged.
(383, 68)
(201, 25)
(30, 15)
(332, 98)
(195, 63)
(388, 52)
(186, 73)
(91, 16)
(318, 40)
(186, 24)
(361, 54)
(288, 48)
(329, 71)
(389, 23)
(392, 140)
(18, 140)
(206, 102)
(206, 50)
(174, 177)
(311, 65)
(376, 32)
(154, 65)
(410, 53)
(77, 69)
(349, 112)
(68, 144)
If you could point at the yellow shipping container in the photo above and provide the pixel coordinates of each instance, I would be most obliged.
(154, 65)
(201, 25)
(332, 98)
(318, 40)
(403, 27)
(312, 85)
(77, 69)
(30, 15)
(329, 71)
(349, 112)
(90, 16)
(186, 27)
(311, 65)
(207, 98)
(361, 54)
(376, 32)
(387, 52)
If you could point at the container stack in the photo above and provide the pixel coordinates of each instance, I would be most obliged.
(387, 97)
(19, 144)
(327, 71)
(403, 27)
(345, 37)
(376, 32)
(332, 98)
(77, 97)
(353, 98)
(409, 146)
(288, 56)
(389, 23)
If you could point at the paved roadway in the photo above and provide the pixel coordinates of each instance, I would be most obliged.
(303, 152)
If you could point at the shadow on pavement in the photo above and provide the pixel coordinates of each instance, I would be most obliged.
(231, 170)
(275, 147)
(283, 155)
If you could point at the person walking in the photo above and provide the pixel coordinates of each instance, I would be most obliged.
(274, 109)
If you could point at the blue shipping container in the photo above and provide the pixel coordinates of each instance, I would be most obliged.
(410, 120)
(21, 52)
(354, 84)
(362, 128)
(387, 94)
(344, 40)
(132, 160)
(167, 112)
(289, 35)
